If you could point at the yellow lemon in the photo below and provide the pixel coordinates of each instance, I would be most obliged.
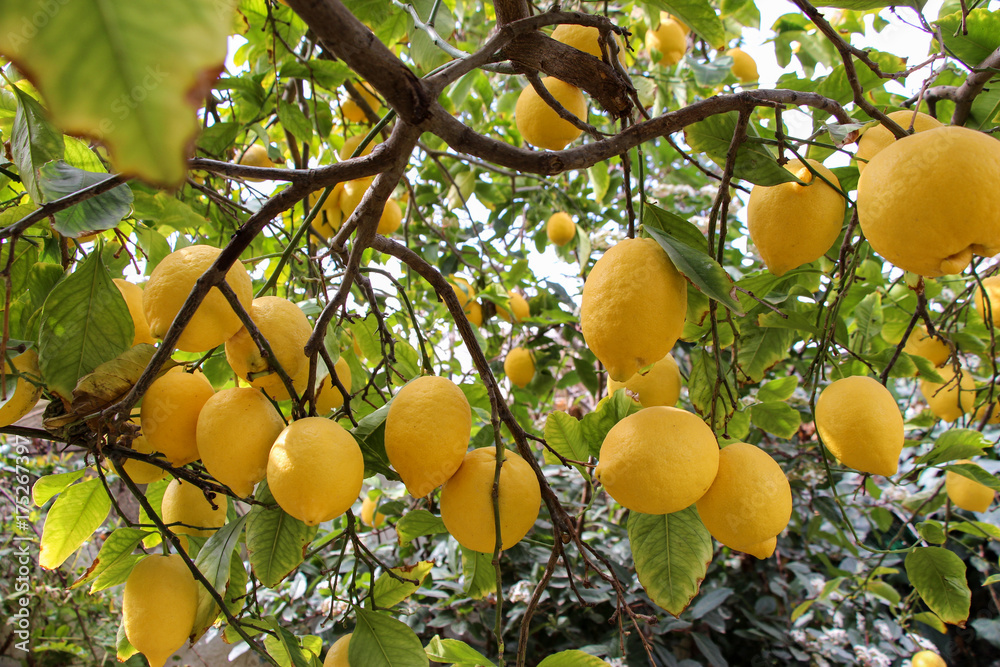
(585, 38)
(132, 294)
(989, 293)
(761, 550)
(474, 311)
(236, 428)
(968, 493)
(184, 503)
(315, 470)
(169, 415)
(369, 516)
(519, 367)
(286, 329)
(560, 228)
(658, 461)
(463, 290)
(954, 398)
(668, 43)
(351, 144)
(744, 66)
(353, 192)
(256, 156)
(169, 285)
(929, 201)
(159, 606)
(793, 224)
(427, 432)
(27, 391)
(860, 423)
(927, 659)
(330, 217)
(141, 472)
(337, 655)
(540, 125)
(660, 385)
(749, 502)
(920, 344)
(328, 396)
(353, 111)
(392, 218)
(467, 502)
(633, 307)
(518, 305)
(877, 137)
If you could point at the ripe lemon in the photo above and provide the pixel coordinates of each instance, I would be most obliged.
(474, 311)
(968, 493)
(661, 385)
(518, 305)
(315, 470)
(585, 38)
(929, 201)
(927, 659)
(749, 502)
(286, 329)
(353, 111)
(328, 396)
(427, 432)
(351, 144)
(994, 415)
(560, 228)
(256, 156)
(27, 391)
(369, 516)
(463, 290)
(793, 224)
(934, 350)
(185, 503)
(954, 398)
(744, 66)
(169, 415)
(467, 503)
(236, 428)
(633, 307)
(540, 125)
(658, 461)
(168, 288)
(519, 367)
(159, 606)
(392, 218)
(668, 43)
(353, 192)
(877, 137)
(337, 655)
(990, 292)
(141, 472)
(860, 423)
(330, 217)
(132, 294)
(763, 549)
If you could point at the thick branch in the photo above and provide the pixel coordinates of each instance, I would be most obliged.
(967, 92)
(510, 10)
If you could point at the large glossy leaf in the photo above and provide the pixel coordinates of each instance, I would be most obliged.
(58, 179)
(671, 554)
(564, 433)
(46, 487)
(701, 269)
(388, 590)
(754, 161)
(982, 38)
(609, 412)
(214, 561)
(455, 652)
(114, 561)
(275, 539)
(938, 576)
(418, 523)
(72, 519)
(478, 573)
(776, 417)
(33, 141)
(699, 15)
(285, 647)
(115, 71)
(379, 640)
(761, 349)
(955, 444)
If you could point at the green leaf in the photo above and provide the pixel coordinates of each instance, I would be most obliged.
(982, 39)
(52, 485)
(275, 539)
(761, 349)
(479, 574)
(609, 412)
(776, 417)
(671, 553)
(455, 652)
(754, 161)
(978, 528)
(285, 647)
(84, 323)
(572, 658)
(778, 390)
(295, 121)
(166, 210)
(931, 619)
(216, 139)
(674, 226)
(955, 444)
(884, 591)
(938, 576)
(975, 473)
(215, 562)
(33, 140)
(72, 519)
(707, 274)
(114, 561)
(58, 179)
(866, 5)
(418, 523)
(699, 15)
(932, 531)
(381, 641)
(600, 181)
(141, 105)
(389, 591)
(564, 433)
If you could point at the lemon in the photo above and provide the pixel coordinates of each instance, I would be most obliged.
(989, 293)
(927, 659)
(286, 329)
(540, 125)
(392, 218)
(330, 217)
(353, 192)
(860, 423)
(337, 655)
(560, 228)
(929, 201)
(27, 391)
(967, 493)
(369, 516)
(351, 144)
(584, 38)
(168, 288)
(519, 367)
(141, 472)
(328, 396)
(474, 311)
(353, 111)
(236, 428)
(877, 137)
(921, 344)
(467, 502)
(315, 470)
(660, 385)
(159, 606)
(668, 43)
(427, 432)
(952, 399)
(169, 415)
(256, 156)
(793, 224)
(994, 415)
(518, 305)
(749, 502)
(132, 294)
(658, 461)
(463, 290)
(633, 307)
(763, 549)
(184, 503)
(744, 66)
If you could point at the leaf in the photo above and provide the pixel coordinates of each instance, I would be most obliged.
(975, 473)
(671, 553)
(479, 574)
(33, 140)
(381, 641)
(931, 531)
(418, 523)
(982, 39)
(128, 73)
(931, 619)
(114, 561)
(867, 322)
(938, 576)
(761, 349)
(295, 121)
(389, 591)
(780, 389)
(455, 652)
(609, 412)
(572, 658)
(600, 181)
(979, 529)
(163, 209)
(866, 5)
(52, 485)
(564, 433)
(275, 539)
(754, 161)
(111, 380)
(72, 519)
(776, 417)
(215, 562)
(709, 649)
(707, 274)
(699, 15)
(285, 647)
(884, 591)
(954, 444)
(58, 179)
(675, 226)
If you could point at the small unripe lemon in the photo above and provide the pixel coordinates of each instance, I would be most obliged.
(467, 502)
(560, 228)
(28, 389)
(661, 385)
(169, 415)
(952, 399)
(860, 423)
(328, 397)
(185, 503)
(519, 367)
(369, 516)
(159, 606)
(877, 137)
(920, 344)
(133, 299)
(539, 123)
(337, 655)
(286, 329)
(968, 493)
(927, 659)
(518, 305)
(669, 40)
(990, 293)
(744, 66)
(256, 156)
